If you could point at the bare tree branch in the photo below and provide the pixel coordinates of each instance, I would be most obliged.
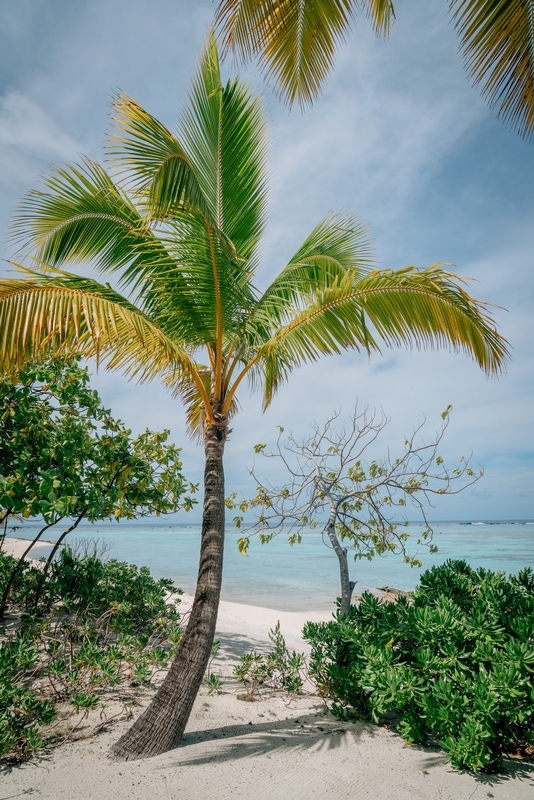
(357, 503)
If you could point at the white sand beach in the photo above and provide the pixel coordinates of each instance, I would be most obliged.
(272, 748)
(16, 547)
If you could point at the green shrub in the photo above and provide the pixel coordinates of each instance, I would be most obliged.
(26, 580)
(454, 664)
(279, 669)
(98, 624)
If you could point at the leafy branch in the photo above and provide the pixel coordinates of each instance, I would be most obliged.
(357, 503)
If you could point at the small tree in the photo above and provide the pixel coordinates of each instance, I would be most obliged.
(64, 458)
(361, 501)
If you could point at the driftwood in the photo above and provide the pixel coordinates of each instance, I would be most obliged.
(387, 593)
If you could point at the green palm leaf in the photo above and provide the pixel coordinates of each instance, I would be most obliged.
(296, 39)
(410, 307)
(218, 286)
(340, 242)
(152, 161)
(223, 131)
(48, 315)
(81, 215)
(498, 43)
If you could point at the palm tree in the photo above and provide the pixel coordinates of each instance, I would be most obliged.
(178, 229)
(296, 41)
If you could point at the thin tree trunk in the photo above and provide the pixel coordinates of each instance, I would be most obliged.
(341, 552)
(161, 726)
(4, 521)
(9, 586)
(51, 558)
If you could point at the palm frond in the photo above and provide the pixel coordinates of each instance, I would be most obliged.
(224, 132)
(187, 391)
(417, 308)
(218, 288)
(296, 40)
(80, 216)
(340, 242)
(381, 13)
(46, 316)
(84, 216)
(498, 44)
(152, 161)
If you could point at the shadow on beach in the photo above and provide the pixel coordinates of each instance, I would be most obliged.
(512, 769)
(308, 731)
(234, 645)
(312, 732)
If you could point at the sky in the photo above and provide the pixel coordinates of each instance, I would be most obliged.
(399, 137)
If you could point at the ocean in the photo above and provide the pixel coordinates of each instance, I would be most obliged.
(305, 576)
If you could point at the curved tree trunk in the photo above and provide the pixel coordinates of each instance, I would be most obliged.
(11, 581)
(162, 725)
(341, 552)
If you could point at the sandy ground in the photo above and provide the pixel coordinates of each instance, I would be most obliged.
(264, 750)
(16, 547)
(271, 748)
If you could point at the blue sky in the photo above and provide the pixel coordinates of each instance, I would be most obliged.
(399, 136)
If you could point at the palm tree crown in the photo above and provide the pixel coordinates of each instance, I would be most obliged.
(177, 224)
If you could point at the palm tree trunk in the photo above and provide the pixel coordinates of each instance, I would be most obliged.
(161, 726)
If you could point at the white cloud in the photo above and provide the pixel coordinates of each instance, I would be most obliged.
(29, 137)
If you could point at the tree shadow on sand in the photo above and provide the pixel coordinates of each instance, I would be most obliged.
(512, 769)
(308, 731)
(233, 645)
(313, 732)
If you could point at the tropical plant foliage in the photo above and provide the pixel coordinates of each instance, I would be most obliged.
(64, 458)
(63, 455)
(178, 228)
(280, 669)
(296, 42)
(455, 666)
(101, 627)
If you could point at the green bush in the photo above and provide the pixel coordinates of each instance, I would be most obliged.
(453, 664)
(279, 669)
(99, 624)
(26, 579)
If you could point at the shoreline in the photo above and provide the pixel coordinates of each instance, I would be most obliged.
(16, 546)
(304, 578)
(242, 628)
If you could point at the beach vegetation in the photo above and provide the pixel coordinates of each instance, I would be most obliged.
(451, 666)
(330, 486)
(176, 225)
(296, 41)
(280, 669)
(101, 628)
(64, 458)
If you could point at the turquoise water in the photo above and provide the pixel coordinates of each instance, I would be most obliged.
(305, 576)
